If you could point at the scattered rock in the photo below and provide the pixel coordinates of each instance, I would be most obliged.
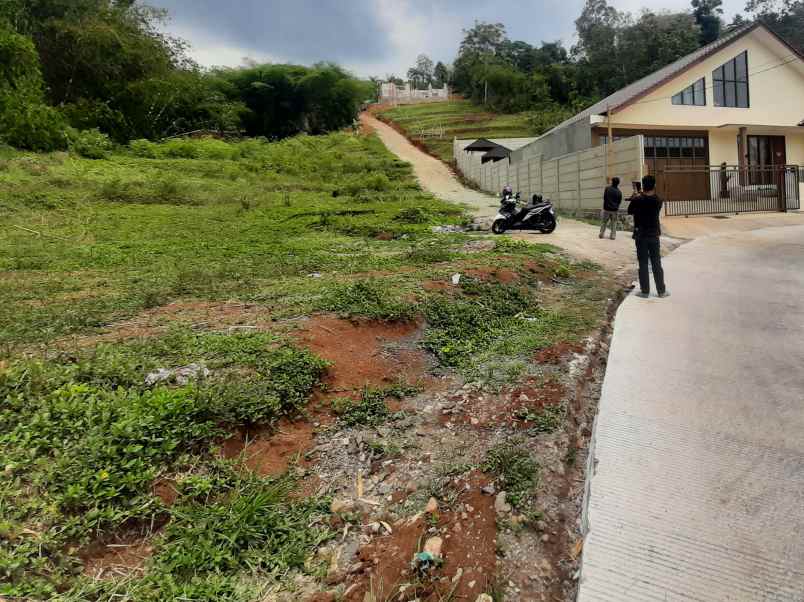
(181, 376)
(488, 490)
(484, 598)
(500, 505)
(338, 506)
(545, 538)
(433, 546)
(448, 229)
(456, 279)
(432, 506)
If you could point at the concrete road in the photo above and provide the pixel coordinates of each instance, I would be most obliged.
(697, 491)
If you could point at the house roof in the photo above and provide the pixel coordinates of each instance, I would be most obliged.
(632, 92)
(495, 154)
(481, 144)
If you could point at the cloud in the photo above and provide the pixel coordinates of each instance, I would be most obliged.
(370, 37)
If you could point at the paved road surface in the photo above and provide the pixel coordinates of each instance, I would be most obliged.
(698, 490)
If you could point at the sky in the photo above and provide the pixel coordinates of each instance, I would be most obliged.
(369, 37)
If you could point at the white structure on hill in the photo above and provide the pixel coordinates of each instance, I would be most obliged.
(390, 92)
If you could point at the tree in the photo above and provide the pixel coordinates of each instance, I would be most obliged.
(25, 120)
(441, 75)
(707, 16)
(785, 17)
(421, 75)
(654, 41)
(483, 39)
(597, 52)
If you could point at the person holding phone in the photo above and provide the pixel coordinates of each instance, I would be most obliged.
(645, 206)
(612, 197)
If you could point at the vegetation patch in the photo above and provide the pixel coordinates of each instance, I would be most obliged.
(84, 437)
(366, 298)
(515, 469)
(370, 409)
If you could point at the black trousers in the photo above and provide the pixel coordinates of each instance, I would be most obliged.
(648, 249)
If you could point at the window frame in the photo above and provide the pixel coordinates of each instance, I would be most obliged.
(730, 82)
(696, 92)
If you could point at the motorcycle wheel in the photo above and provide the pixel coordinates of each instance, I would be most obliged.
(498, 227)
(548, 228)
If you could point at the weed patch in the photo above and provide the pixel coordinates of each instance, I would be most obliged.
(370, 409)
(515, 469)
(368, 299)
(83, 438)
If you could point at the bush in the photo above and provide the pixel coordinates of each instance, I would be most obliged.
(91, 144)
(144, 148)
(32, 126)
(367, 298)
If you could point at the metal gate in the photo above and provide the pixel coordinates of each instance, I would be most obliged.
(729, 189)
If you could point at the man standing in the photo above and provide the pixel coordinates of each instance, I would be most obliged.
(645, 208)
(612, 198)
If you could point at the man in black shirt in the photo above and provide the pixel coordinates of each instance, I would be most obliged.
(612, 198)
(645, 208)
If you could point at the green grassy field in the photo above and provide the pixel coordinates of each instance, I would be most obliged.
(310, 224)
(460, 119)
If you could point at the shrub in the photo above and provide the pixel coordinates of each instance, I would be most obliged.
(180, 149)
(515, 468)
(32, 125)
(144, 148)
(367, 298)
(91, 144)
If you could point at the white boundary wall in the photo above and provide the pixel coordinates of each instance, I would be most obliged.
(573, 182)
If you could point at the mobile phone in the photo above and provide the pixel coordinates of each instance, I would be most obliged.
(637, 185)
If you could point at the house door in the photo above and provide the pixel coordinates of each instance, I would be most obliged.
(766, 155)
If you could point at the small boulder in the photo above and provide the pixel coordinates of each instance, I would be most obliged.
(501, 506)
(433, 546)
(432, 506)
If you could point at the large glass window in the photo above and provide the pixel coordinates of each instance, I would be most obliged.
(694, 94)
(730, 83)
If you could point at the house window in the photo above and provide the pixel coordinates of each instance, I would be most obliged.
(664, 147)
(694, 95)
(731, 83)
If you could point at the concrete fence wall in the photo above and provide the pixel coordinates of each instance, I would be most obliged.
(573, 182)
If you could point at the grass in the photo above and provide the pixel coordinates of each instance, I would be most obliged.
(460, 119)
(332, 224)
(516, 470)
(83, 439)
(101, 240)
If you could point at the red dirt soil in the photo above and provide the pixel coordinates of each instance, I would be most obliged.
(469, 544)
(158, 320)
(270, 452)
(557, 353)
(165, 490)
(488, 410)
(497, 275)
(116, 559)
(357, 352)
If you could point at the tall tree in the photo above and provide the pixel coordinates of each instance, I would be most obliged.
(597, 52)
(421, 74)
(708, 17)
(441, 75)
(785, 17)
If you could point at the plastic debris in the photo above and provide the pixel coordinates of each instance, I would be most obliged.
(181, 376)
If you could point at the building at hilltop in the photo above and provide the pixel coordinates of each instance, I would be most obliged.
(392, 93)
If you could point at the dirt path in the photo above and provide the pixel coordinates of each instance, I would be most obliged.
(577, 238)
(433, 175)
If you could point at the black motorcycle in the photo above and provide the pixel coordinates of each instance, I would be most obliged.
(536, 215)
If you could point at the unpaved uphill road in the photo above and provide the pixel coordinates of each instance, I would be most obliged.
(698, 490)
(577, 238)
(433, 175)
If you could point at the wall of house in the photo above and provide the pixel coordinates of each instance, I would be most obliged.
(775, 90)
(574, 181)
(723, 147)
(574, 137)
(795, 156)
